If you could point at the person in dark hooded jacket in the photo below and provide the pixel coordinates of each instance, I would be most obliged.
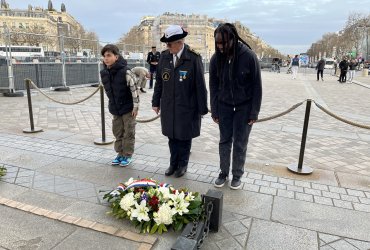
(120, 87)
(320, 69)
(236, 94)
(180, 95)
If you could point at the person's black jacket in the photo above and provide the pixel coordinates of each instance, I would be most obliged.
(244, 89)
(343, 65)
(153, 57)
(181, 94)
(321, 65)
(115, 85)
(352, 65)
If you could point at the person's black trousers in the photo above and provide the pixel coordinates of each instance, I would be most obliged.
(234, 133)
(320, 72)
(152, 72)
(343, 76)
(180, 152)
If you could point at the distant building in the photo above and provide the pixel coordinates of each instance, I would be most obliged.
(49, 22)
(201, 34)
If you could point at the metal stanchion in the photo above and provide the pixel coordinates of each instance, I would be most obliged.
(103, 140)
(300, 169)
(32, 129)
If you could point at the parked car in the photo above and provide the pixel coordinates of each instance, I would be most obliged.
(267, 62)
(329, 63)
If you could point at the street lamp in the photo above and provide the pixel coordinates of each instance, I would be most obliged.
(62, 55)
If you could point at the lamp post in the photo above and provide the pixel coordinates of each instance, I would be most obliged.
(62, 55)
(12, 92)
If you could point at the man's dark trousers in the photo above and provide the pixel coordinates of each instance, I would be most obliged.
(180, 152)
(320, 72)
(152, 70)
(234, 131)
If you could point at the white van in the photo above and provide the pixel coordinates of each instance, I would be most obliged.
(329, 63)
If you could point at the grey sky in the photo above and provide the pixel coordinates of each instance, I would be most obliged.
(288, 25)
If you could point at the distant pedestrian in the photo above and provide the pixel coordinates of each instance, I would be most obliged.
(152, 59)
(320, 69)
(236, 92)
(142, 74)
(120, 87)
(352, 69)
(343, 66)
(180, 95)
(295, 65)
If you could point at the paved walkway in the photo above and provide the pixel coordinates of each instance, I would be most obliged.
(62, 171)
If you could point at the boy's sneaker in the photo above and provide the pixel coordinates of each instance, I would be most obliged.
(221, 180)
(126, 161)
(235, 183)
(117, 160)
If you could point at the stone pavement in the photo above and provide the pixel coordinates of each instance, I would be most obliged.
(62, 171)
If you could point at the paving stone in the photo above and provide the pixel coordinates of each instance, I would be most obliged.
(343, 204)
(322, 218)
(235, 228)
(342, 245)
(268, 190)
(255, 176)
(251, 187)
(349, 198)
(302, 184)
(365, 200)
(337, 190)
(286, 193)
(277, 185)
(330, 195)
(243, 179)
(362, 207)
(279, 236)
(228, 244)
(261, 183)
(312, 191)
(328, 238)
(362, 245)
(323, 200)
(355, 193)
(294, 188)
(304, 197)
(269, 178)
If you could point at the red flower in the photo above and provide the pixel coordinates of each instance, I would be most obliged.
(154, 201)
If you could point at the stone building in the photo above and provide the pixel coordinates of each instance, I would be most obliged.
(48, 23)
(201, 30)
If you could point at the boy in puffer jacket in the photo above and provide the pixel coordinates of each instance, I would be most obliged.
(120, 87)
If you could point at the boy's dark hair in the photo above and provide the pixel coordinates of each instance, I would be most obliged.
(228, 33)
(110, 48)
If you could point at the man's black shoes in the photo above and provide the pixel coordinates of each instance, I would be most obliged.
(142, 90)
(170, 170)
(180, 171)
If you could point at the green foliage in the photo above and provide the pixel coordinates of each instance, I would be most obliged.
(2, 171)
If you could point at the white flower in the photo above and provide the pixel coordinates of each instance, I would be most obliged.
(190, 197)
(180, 205)
(165, 191)
(164, 215)
(140, 212)
(127, 201)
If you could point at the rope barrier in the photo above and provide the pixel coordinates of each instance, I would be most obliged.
(60, 102)
(340, 118)
(282, 113)
(148, 120)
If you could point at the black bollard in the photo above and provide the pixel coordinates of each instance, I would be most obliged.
(103, 140)
(300, 169)
(216, 197)
(33, 129)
